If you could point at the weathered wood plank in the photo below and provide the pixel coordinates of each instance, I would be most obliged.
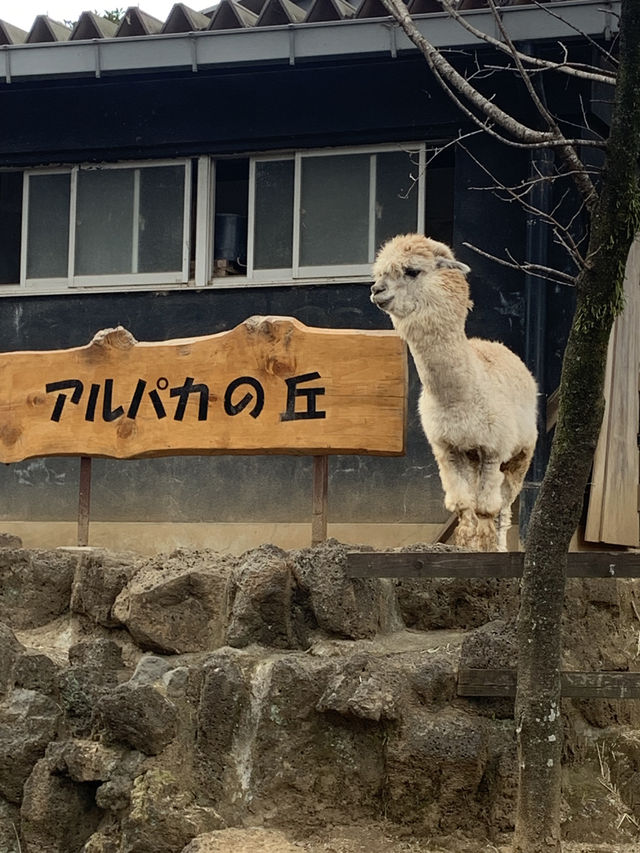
(553, 402)
(84, 501)
(460, 564)
(613, 511)
(270, 385)
(574, 685)
(446, 528)
(320, 499)
(487, 682)
(433, 564)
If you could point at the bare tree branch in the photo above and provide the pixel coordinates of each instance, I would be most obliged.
(563, 231)
(446, 72)
(605, 53)
(517, 133)
(567, 151)
(537, 270)
(572, 69)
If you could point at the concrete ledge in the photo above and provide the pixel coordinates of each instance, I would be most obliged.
(151, 538)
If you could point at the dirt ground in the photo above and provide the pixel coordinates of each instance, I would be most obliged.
(382, 838)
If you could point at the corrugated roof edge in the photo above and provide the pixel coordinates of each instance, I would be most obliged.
(295, 42)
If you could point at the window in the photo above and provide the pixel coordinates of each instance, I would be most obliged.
(326, 213)
(114, 224)
(10, 226)
(272, 218)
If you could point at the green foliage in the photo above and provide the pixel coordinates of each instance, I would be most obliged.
(115, 16)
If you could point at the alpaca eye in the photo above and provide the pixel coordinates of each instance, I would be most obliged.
(412, 272)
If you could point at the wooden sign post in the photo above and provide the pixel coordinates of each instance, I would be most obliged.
(271, 385)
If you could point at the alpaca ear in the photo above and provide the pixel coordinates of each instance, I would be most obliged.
(451, 264)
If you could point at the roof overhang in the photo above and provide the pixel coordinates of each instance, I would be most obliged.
(297, 43)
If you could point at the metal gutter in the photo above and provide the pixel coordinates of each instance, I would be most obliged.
(313, 42)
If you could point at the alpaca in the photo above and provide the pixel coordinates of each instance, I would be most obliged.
(478, 401)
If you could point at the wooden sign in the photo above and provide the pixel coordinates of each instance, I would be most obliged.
(271, 385)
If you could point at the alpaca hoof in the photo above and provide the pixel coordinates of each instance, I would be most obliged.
(466, 532)
(476, 533)
(486, 534)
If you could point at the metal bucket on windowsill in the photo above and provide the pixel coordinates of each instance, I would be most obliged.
(230, 242)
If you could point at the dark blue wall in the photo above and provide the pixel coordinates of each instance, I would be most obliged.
(236, 111)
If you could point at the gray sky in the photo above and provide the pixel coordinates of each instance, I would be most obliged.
(22, 13)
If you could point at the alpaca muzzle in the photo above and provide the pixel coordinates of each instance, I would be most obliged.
(380, 296)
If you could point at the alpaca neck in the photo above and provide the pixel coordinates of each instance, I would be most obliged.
(443, 360)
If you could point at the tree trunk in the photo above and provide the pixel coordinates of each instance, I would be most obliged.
(557, 511)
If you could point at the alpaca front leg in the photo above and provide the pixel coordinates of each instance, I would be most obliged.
(466, 533)
(514, 471)
(504, 523)
(459, 477)
(489, 504)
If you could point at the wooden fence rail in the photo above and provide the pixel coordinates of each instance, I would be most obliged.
(459, 564)
(574, 685)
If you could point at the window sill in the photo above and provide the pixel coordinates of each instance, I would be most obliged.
(229, 282)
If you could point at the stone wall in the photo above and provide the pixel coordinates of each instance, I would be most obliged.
(173, 703)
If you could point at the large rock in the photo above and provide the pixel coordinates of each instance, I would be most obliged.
(263, 602)
(164, 815)
(96, 668)
(224, 703)
(36, 671)
(242, 841)
(435, 766)
(110, 769)
(35, 586)
(263, 743)
(10, 650)
(380, 682)
(106, 840)
(434, 678)
(499, 785)
(100, 577)
(362, 688)
(28, 721)
(58, 815)
(322, 760)
(177, 604)
(9, 827)
(600, 632)
(492, 646)
(137, 715)
(101, 654)
(348, 607)
(429, 604)
(86, 760)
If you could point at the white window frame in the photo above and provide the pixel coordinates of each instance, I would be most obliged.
(298, 272)
(108, 281)
(203, 230)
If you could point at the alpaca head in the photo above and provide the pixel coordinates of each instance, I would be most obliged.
(415, 276)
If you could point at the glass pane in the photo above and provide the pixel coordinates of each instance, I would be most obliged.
(334, 214)
(273, 237)
(104, 217)
(396, 194)
(439, 202)
(10, 226)
(48, 230)
(161, 222)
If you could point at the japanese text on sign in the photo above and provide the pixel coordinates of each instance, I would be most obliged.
(300, 402)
